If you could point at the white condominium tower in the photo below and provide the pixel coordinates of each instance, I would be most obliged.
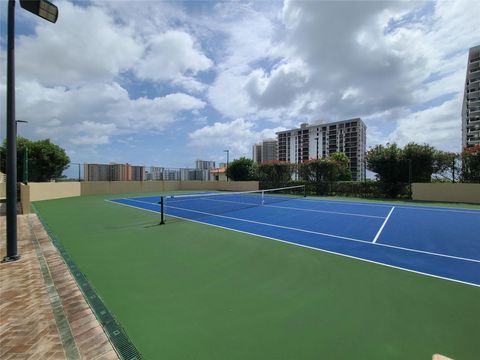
(320, 140)
(471, 100)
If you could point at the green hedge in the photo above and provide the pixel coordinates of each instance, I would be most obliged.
(365, 189)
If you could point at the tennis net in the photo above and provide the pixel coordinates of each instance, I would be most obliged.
(215, 203)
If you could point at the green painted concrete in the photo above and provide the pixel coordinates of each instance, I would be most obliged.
(192, 291)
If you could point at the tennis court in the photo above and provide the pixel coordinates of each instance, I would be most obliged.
(435, 241)
(190, 290)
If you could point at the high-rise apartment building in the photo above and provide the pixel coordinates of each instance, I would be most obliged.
(320, 140)
(113, 172)
(471, 100)
(265, 151)
(257, 153)
(135, 173)
(96, 172)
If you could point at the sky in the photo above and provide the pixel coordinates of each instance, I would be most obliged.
(163, 83)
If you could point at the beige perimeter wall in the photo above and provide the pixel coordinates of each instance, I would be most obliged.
(3, 189)
(45, 191)
(125, 187)
(25, 198)
(52, 190)
(458, 192)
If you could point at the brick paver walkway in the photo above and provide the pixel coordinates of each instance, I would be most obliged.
(43, 314)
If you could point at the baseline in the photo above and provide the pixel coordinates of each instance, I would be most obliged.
(295, 229)
(463, 270)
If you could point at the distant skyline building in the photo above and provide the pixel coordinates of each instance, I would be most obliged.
(320, 140)
(471, 100)
(265, 151)
(154, 173)
(113, 172)
(204, 164)
(257, 153)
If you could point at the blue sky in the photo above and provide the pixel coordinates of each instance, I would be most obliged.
(164, 83)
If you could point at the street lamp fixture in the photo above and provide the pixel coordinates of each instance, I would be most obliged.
(19, 121)
(43, 8)
(49, 12)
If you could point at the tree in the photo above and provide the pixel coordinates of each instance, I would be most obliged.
(422, 159)
(242, 169)
(46, 161)
(331, 168)
(395, 166)
(342, 171)
(446, 165)
(471, 164)
(275, 173)
(388, 164)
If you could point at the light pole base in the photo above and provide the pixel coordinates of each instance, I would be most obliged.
(10, 258)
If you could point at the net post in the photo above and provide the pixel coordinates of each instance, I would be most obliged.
(162, 217)
(263, 197)
(304, 190)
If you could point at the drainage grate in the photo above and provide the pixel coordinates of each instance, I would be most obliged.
(124, 347)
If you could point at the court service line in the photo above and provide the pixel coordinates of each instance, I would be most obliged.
(299, 209)
(330, 235)
(305, 246)
(257, 222)
(383, 225)
(272, 206)
(398, 206)
(302, 230)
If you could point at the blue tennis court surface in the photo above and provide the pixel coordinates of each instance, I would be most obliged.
(441, 242)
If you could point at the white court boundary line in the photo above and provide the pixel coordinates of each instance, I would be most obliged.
(306, 246)
(383, 225)
(287, 207)
(255, 222)
(388, 205)
(398, 206)
(313, 232)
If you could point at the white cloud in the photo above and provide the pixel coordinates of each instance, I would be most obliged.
(145, 114)
(236, 135)
(438, 126)
(85, 45)
(94, 133)
(92, 114)
(228, 96)
(278, 89)
(274, 66)
(171, 55)
(271, 133)
(189, 84)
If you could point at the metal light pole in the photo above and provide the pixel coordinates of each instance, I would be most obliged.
(228, 152)
(48, 11)
(12, 253)
(410, 178)
(79, 175)
(25, 155)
